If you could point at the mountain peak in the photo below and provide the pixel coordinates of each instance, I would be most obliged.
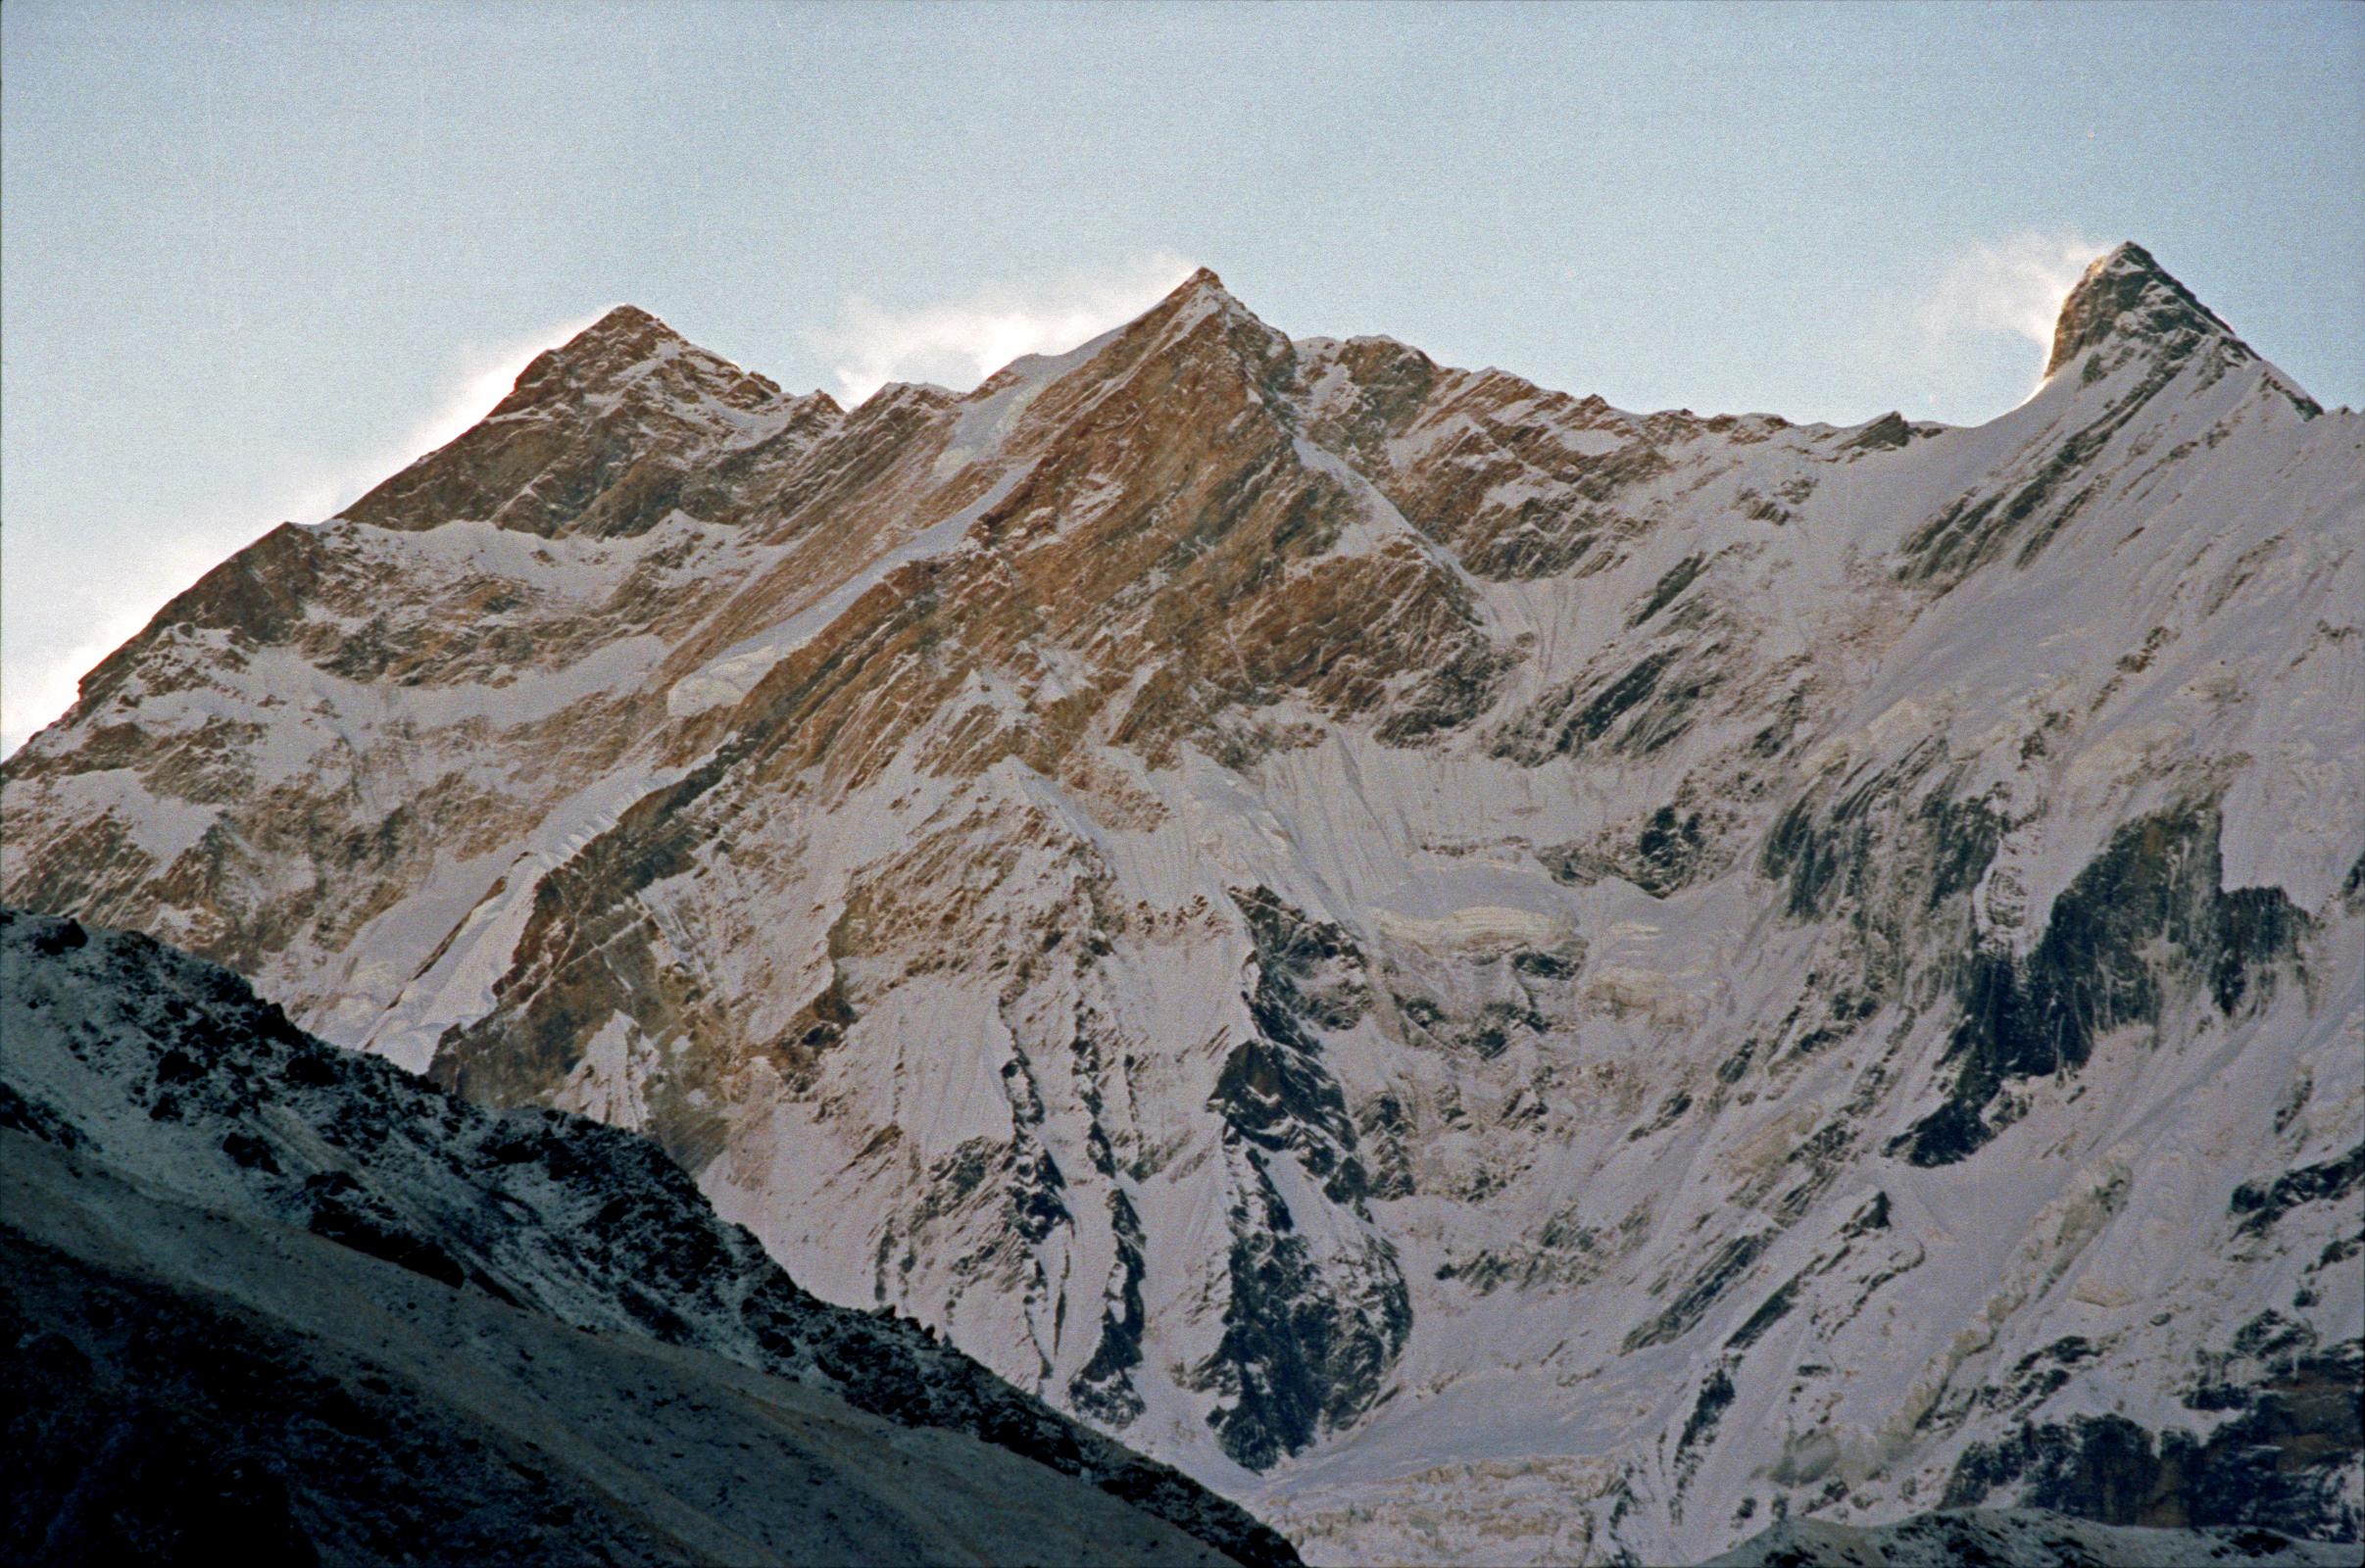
(627, 392)
(625, 336)
(1198, 298)
(2127, 295)
(1197, 317)
(1199, 293)
(623, 319)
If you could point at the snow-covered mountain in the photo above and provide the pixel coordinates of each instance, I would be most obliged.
(263, 1294)
(1499, 978)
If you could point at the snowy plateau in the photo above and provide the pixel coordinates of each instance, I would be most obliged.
(1495, 979)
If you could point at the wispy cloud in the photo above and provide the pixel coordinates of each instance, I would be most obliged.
(2011, 286)
(39, 673)
(39, 682)
(958, 342)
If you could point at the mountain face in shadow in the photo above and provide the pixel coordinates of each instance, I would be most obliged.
(269, 1297)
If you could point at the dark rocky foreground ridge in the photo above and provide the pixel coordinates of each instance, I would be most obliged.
(268, 1297)
(1978, 1538)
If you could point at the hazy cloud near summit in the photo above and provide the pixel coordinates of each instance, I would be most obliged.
(2011, 286)
(958, 342)
(1943, 338)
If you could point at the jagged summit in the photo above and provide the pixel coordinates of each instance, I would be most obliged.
(593, 437)
(2126, 294)
(627, 318)
(623, 338)
(1200, 294)
(616, 348)
(620, 321)
(1202, 279)
(1199, 316)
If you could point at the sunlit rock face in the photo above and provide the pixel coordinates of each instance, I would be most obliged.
(1497, 977)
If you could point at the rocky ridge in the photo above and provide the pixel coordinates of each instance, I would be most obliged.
(145, 1095)
(2017, 1536)
(1494, 974)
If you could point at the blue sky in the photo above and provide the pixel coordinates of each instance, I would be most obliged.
(256, 256)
